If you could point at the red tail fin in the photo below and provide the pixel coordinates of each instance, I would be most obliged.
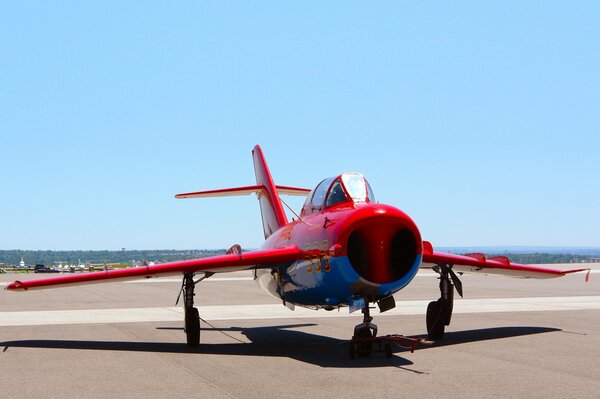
(271, 208)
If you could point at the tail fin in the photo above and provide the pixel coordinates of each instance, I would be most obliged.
(271, 208)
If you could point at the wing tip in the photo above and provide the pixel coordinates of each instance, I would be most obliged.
(16, 286)
(587, 275)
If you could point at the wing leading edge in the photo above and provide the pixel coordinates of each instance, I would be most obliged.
(501, 265)
(223, 263)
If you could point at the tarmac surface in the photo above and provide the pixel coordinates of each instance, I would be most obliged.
(508, 338)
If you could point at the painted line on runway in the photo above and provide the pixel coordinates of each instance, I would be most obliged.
(276, 311)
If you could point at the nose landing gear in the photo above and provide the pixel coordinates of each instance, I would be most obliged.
(361, 344)
(365, 340)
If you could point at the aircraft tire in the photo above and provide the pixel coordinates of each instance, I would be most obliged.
(192, 327)
(435, 321)
(364, 349)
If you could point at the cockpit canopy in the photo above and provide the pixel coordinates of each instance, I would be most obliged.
(349, 186)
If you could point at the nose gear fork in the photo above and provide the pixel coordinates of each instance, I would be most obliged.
(365, 340)
(361, 344)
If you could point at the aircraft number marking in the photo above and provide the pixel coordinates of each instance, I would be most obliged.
(317, 262)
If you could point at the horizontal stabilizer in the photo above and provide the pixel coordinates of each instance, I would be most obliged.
(245, 190)
(293, 191)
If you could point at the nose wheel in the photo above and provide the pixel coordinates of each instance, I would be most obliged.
(365, 340)
(361, 344)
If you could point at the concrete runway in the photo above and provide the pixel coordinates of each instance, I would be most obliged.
(508, 338)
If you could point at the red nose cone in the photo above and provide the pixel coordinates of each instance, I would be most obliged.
(383, 243)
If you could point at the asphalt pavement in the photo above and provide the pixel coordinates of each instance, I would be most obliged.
(508, 338)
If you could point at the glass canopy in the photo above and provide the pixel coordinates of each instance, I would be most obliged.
(349, 186)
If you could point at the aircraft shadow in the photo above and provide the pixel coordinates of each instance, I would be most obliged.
(483, 334)
(282, 341)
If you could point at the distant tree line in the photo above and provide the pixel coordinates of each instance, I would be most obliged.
(13, 257)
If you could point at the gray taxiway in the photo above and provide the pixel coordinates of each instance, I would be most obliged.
(508, 338)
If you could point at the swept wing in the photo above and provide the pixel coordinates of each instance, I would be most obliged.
(268, 258)
(478, 262)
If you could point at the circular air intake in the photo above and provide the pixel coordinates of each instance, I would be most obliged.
(382, 250)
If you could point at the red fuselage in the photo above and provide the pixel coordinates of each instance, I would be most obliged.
(356, 250)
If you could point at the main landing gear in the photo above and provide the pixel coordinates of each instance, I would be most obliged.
(439, 312)
(365, 340)
(192, 318)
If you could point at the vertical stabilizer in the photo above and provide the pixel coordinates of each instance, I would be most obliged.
(271, 208)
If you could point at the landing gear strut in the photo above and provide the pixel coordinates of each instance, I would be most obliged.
(365, 340)
(361, 344)
(439, 313)
(192, 318)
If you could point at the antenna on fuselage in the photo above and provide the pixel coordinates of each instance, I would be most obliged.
(291, 210)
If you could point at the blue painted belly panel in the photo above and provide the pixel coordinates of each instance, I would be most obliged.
(328, 282)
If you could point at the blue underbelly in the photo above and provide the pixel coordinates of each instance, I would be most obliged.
(329, 283)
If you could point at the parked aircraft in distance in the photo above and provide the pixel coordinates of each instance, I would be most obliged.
(343, 250)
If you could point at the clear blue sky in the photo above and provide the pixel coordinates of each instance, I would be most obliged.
(479, 120)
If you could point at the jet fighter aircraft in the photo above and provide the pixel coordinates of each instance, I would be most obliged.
(343, 250)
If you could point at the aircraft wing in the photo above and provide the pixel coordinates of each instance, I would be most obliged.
(267, 258)
(501, 265)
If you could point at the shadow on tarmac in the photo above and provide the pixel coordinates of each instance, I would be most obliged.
(281, 341)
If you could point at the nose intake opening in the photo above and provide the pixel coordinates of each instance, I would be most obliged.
(382, 251)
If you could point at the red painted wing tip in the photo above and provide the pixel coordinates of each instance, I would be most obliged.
(587, 275)
(16, 285)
